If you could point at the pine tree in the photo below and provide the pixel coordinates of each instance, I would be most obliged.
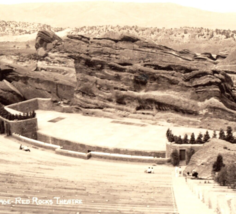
(168, 133)
(171, 138)
(180, 141)
(218, 164)
(229, 136)
(192, 139)
(199, 139)
(185, 140)
(222, 134)
(206, 137)
(214, 135)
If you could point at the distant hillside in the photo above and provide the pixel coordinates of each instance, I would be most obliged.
(78, 14)
(196, 39)
(12, 28)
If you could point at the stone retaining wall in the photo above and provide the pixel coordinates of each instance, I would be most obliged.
(81, 147)
(32, 105)
(170, 147)
(27, 128)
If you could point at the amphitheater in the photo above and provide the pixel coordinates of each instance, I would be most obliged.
(81, 182)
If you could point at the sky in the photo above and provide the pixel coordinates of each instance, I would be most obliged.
(224, 6)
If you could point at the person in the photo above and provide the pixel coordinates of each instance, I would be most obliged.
(180, 171)
(25, 148)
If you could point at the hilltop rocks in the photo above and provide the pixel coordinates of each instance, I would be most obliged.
(45, 41)
(204, 158)
(126, 72)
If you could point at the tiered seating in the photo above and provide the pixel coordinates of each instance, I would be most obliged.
(104, 187)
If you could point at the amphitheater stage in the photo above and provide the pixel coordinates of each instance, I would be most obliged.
(84, 133)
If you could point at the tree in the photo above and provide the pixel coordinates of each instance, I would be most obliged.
(179, 141)
(171, 138)
(222, 134)
(192, 139)
(231, 174)
(168, 134)
(199, 139)
(185, 140)
(214, 135)
(229, 136)
(206, 137)
(174, 157)
(221, 178)
(218, 164)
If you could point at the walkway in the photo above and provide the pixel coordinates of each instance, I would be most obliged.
(186, 201)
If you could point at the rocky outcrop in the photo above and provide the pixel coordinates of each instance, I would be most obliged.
(23, 83)
(203, 160)
(123, 71)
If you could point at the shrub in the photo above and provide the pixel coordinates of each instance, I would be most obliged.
(227, 176)
(174, 156)
(221, 178)
(189, 154)
(231, 175)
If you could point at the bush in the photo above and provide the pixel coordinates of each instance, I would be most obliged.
(174, 158)
(221, 178)
(231, 175)
(227, 176)
(189, 154)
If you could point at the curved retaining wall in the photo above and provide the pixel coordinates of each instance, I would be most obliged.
(81, 147)
(27, 128)
(87, 155)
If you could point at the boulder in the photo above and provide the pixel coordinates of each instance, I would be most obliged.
(203, 160)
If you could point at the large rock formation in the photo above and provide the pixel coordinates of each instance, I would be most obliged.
(124, 72)
(203, 160)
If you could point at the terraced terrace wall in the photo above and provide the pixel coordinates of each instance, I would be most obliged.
(27, 128)
(32, 105)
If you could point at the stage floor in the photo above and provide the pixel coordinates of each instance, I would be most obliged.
(124, 133)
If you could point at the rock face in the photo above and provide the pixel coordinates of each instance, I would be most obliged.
(124, 72)
(204, 158)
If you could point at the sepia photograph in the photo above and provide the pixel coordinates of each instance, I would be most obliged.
(117, 107)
